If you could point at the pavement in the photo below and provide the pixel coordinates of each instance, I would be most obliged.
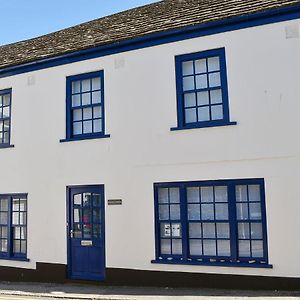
(23, 291)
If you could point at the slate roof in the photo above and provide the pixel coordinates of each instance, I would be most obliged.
(157, 17)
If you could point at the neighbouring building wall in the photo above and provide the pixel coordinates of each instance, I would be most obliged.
(140, 108)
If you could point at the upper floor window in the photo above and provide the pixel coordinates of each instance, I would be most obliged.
(85, 106)
(13, 226)
(212, 222)
(202, 94)
(5, 113)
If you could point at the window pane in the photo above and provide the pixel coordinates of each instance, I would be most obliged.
(174, 195)
(203, 114)
(86, 99)
(207, 212)
(22, 218)
(17, 232)
(3, 245)
(203, 98)
(6, 112)
(96, 215)
(96, 83)
(244, 248)
(87, 231)
(4, 204)
(257, 249)
(164, 212)
(187, 68)
(241, 193)
(96, 231)
(3, 218)
(213, 64)
(96, 97)
(77, 213)
(217, 112)
(165, 246)
(223, 230)
(200, 66)
(23, 247)
(221, 211)
(6, 100)
(196, 247)
(190, 115)
(6, 125)
(209, 247)
(244, 232)
(3, 232)
(87, 127)
(188, 83)
(97, 112)
(77, 128)
(77, 199)
(242, 211)
(76, 100)
(6, 138)
(77, 115)
(96, 200)
(23, 233)
(209, 230)
(215, 96)
(176, 246)
(75, 87)
(86, 85)
(194, 212)
(77, 232)
(165, 230)
(17, 246)
(87, 113)
(175, 212)
(255, 211)
(254, 193)
(163, 195)
(256, 231)
(223, 247)
(193, 195)
(97, 125)
(195, 230)
(207, 194)
(201, 81)
(190, 99)
(87, 199)
(214, 79)
(221, 194)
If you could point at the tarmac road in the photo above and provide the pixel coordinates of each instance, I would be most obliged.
(31, 291)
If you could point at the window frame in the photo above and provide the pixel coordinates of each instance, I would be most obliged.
(179, 90)
(10, 255)
(4, 92)
(69, 118)
(233, 260)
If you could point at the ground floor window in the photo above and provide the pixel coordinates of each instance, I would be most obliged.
(210, 222)
(13, 226)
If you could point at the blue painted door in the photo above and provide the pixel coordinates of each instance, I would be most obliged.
(86, 246)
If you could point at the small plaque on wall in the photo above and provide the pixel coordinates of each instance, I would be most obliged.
(114, 201)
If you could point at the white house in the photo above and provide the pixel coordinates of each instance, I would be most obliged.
(158, 144)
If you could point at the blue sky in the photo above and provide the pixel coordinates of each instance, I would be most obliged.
(24, 19)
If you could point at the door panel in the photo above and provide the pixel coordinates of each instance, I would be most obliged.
(86, 245)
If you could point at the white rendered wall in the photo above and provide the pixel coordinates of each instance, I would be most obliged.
(140, 99)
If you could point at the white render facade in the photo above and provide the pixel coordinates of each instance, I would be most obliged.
(140, 109)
